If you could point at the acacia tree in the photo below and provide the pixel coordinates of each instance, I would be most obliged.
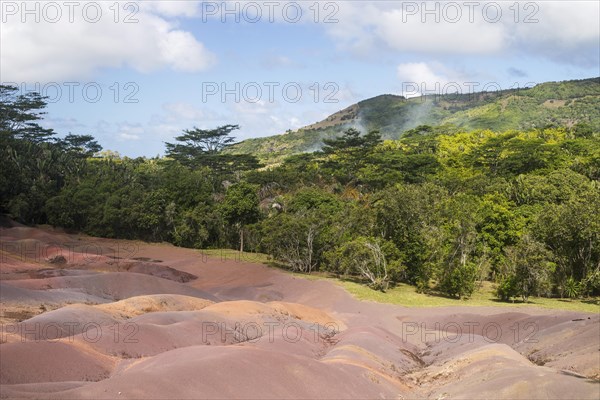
(202, 141)
(199, 147)
(204, 148)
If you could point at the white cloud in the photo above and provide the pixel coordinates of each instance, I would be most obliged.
(128, 136)
(181, 51)
(365, 27)
(63, 51)
(128, 132)
(422, 78)
(441, 37)
(419, 73)
(568, 32)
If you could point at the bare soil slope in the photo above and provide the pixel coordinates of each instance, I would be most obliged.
(82, 317)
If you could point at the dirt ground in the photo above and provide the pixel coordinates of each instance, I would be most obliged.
(82, 317)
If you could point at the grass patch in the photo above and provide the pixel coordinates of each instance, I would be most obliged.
(407, 295)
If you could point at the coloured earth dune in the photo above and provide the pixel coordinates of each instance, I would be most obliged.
(119, 319)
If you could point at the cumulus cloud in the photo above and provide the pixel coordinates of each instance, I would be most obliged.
(128, 132)
(411, 34)
(404, 26)
(419, 73)
(566, 32)
(422, 78)
(57, 51)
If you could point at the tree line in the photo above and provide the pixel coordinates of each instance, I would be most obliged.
(441, 208)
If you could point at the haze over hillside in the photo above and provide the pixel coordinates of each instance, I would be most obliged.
(552, 103)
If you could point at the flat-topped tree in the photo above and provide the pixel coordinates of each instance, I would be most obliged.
(203, 148)
(195, 144)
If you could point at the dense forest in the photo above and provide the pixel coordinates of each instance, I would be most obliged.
(442, 208)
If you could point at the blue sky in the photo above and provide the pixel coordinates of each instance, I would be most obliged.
(174, 52)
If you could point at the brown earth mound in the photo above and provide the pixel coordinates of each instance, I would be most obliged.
(123, 319)
(47, 361)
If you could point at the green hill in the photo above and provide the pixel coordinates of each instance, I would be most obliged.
(551, 103)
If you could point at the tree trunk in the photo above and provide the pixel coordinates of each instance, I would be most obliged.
(241, 240)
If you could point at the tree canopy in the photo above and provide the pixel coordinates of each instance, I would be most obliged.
(204, 148)
(442, 208)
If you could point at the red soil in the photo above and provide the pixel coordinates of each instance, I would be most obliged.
(123, 319)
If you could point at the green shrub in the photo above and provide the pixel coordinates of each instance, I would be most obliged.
(460, 282)
(507, 288)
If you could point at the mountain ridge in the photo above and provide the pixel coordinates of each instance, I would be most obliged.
(563, 103)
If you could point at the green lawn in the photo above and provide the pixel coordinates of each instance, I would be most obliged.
(407, 295)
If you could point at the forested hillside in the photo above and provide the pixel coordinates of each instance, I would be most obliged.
(443, 208)
(552, 103)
